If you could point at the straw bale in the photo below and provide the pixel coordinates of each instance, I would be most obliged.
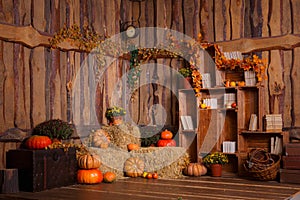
(168, 162)
(123, 134)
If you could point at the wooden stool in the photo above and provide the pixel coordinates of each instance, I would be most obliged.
(9, 182)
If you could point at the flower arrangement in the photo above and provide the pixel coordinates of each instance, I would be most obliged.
(185, 72)
(215, 158)
(248, 63)
(114, 112)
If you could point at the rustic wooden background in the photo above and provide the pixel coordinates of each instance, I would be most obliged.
(33, 80)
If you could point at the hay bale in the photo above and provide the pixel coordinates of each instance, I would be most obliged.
(123, 134)
(168, 162)
(112, 159)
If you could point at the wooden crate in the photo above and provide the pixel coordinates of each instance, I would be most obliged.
(292, 149)
(291, 162)
(5, 146)
(289, 176)
(43, 169)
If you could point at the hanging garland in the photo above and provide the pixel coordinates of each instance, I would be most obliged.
(88, 40)
(134, 69)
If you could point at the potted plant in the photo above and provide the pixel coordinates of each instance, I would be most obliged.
(215, 161)
(186, 72)
(115, 115)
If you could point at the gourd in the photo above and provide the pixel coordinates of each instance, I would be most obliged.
(195, 169)
(166, 134)
(88, 161)
(89, 176)
(37, 142)
(100, 139)
(109, 177)
(131, 147)
(166, 143)
(134, 167)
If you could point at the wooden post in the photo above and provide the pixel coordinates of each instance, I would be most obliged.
(9, 182)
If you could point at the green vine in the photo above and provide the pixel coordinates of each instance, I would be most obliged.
(134, 69)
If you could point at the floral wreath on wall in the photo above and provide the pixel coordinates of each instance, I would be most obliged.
(86, 40)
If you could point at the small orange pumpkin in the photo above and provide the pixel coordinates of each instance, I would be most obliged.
(89, 176)
(109, 177)
(132, 146)
(88, 161)
(195, 169)
(166, 135)
(38, 142)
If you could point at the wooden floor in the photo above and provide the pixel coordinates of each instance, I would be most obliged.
(188, 188)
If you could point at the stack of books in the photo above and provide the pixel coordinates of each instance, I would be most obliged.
(229, 98)
(229, 147)
(273, 122)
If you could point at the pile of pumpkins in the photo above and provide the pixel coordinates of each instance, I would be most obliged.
(166, 139)
(89, 172)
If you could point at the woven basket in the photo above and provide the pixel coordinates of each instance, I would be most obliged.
(263, 165)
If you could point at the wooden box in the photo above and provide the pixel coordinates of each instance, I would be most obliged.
(292, 149)
(291, 162)
(6, 145)
(43, 169)
(289, 176)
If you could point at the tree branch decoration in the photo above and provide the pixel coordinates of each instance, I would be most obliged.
(88, 40)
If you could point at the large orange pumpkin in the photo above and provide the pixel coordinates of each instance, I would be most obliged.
(134, 167)
(166, 134)
(166, 143)
(109, 177)
(88, 161)
(38, 142)
(89, 176)
(195, 169)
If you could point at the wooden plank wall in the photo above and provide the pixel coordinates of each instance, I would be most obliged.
(35, 83)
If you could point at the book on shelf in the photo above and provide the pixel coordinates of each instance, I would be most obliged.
(229, 147)
(253, 122)
(276, 145)
(187, 122)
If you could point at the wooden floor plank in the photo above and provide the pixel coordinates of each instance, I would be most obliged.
(190, 188)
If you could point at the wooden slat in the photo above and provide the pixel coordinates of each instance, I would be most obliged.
(295, 69)
(286, 102)
(237, 20)
(188, 188)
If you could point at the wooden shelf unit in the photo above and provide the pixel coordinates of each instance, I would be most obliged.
(214, 126)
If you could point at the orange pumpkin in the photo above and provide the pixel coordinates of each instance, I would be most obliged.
(131, 147)
(134, 167)
(109, 177)
(166, 134)
(38, 142)
(88, 161)
(89, 176)
(195, 169)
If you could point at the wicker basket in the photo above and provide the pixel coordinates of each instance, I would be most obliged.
(263, 165)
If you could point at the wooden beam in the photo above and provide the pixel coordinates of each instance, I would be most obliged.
(247, 45)
(30, 37)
